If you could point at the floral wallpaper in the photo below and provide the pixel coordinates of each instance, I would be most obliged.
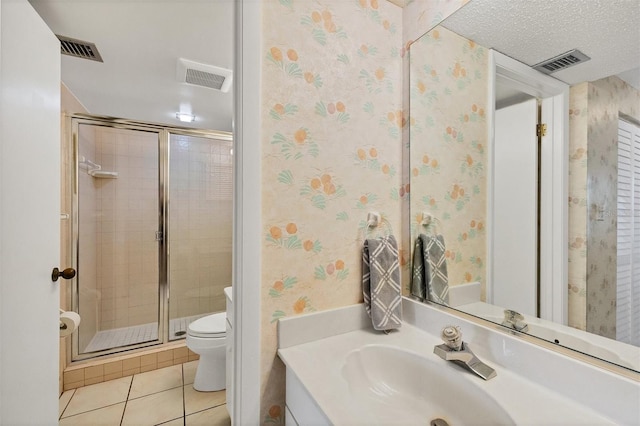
(448, 131)
(422, 15)
(418, 17)
(335, 146)
(577, 271)
(332, 152)
(596, 105)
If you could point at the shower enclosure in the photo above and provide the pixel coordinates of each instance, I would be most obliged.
(152, 219)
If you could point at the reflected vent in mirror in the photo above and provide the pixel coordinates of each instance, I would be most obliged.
(79, 48)
(560, 62)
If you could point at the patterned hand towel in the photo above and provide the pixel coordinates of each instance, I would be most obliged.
(381, 282)
(429, 276)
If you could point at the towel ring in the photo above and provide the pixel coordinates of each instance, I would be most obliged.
(373, 219)
(429, 221)
(375, 226)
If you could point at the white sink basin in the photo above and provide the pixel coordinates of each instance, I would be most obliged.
(402, 387)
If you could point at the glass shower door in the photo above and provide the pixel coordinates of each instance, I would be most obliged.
(117, 250)
(199, 228)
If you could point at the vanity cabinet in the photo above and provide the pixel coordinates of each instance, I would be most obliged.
(301, 409)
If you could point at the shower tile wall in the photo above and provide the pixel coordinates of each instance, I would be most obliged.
(200, 224)
(127, 251)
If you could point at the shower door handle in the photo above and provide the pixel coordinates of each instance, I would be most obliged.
(67, 274)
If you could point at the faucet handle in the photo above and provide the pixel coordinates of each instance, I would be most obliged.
(512, 316)
(452, 337)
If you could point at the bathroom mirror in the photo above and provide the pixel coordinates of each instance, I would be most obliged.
(463, 145)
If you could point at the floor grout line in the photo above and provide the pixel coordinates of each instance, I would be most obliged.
(89, 411)
(153, 393)
(126, 400)
(73, 393)
(184, 402)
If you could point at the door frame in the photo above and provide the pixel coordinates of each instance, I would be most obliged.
(247, 224)
(553, 180)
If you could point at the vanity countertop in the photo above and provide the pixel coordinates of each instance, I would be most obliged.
(319, 366)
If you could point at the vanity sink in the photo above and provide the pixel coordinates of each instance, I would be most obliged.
(342, 372)
(399, 384)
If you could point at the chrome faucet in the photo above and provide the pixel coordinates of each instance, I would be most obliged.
(515, 321)
(454, 349)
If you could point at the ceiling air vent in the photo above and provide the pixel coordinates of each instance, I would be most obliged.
(560, 62)
(79, 48)
(204, 75)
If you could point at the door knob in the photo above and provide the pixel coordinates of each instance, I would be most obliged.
(67, 274)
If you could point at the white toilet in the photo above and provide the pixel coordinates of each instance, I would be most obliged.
(207, 337)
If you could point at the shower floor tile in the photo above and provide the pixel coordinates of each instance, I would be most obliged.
(178, 326)
(125, 336)
(117, 337)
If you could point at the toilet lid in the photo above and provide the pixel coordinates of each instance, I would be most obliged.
(210, 326)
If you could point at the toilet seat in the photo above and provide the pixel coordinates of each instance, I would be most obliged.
(211, 326)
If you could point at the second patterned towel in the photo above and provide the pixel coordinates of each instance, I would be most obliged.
(429, 273)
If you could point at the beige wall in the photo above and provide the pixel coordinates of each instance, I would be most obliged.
(593, 165)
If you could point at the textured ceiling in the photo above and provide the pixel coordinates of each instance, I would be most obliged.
(532, 31)
(140, 42)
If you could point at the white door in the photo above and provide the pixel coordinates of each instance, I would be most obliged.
(515, 230)
(29, 216)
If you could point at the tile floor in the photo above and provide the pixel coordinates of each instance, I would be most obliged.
(165, 396)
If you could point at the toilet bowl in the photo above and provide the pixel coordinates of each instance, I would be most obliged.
(207, 337)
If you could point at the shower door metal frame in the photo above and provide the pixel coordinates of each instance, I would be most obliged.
(73, 122)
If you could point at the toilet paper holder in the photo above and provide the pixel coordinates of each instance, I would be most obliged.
(63, 326)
